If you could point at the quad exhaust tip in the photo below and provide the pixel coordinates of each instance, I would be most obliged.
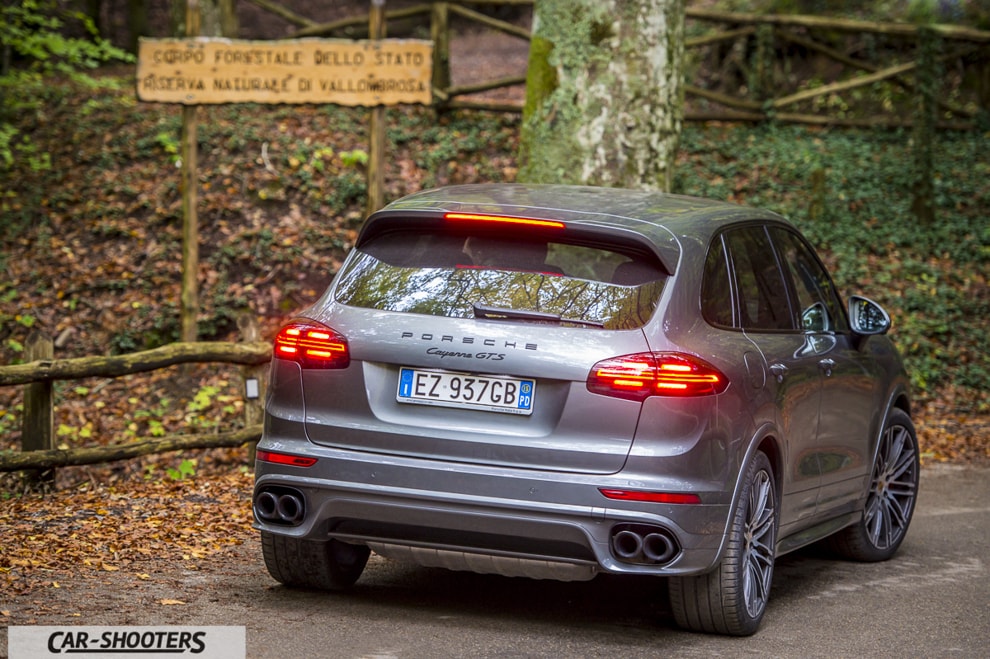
(644, 545)
(280, 506)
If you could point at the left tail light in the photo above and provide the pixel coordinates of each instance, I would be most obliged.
(312, 345)
(639, 376)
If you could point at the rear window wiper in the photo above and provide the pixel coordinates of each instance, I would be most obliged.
(502, 313)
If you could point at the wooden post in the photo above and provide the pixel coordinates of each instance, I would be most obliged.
(38, 433)
(376, 127)
(189, 297)
(440, 34)
(255, 379)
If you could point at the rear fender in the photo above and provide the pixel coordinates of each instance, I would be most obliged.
(763, 438)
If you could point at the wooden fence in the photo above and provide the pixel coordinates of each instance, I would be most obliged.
(748, 67)
(39, 454)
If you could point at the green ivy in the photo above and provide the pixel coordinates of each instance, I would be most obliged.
(850, 192)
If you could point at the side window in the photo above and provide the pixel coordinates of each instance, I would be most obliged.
(716, 291)
(762, 295)
(820, 307)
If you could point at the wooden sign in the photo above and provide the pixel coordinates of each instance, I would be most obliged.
(326, 71)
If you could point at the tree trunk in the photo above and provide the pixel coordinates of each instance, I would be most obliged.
(604, 97)
(216, 18)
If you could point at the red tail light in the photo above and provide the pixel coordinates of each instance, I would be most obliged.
(312, 345)
(637, 377)
(285, 459)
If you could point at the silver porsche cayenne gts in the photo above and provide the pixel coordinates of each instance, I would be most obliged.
(556, 382)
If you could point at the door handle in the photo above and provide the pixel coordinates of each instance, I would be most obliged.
(826, 365)
(778, 370)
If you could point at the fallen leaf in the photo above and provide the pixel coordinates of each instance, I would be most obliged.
(168, 602)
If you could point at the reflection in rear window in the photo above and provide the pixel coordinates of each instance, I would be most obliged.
(441, 274)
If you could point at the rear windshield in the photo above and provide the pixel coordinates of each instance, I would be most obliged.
(470, 276)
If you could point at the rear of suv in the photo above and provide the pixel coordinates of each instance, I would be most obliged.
(519, 380)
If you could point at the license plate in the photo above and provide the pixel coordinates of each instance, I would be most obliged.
(464, 390)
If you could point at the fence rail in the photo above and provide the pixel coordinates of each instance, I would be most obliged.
(40, 456)
(46, 370)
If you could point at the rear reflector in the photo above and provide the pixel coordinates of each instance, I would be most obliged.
(651, 497)
(312, 345)
(639, 376)
(285, 459)
(503, 219)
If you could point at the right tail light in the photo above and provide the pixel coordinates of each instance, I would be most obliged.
(645, 374)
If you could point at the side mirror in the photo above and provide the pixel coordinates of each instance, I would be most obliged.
(867, 317)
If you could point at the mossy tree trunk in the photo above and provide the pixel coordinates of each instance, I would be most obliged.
(604, 98)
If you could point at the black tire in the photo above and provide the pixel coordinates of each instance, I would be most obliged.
(891, 498)
(732, 598)
(330, 565)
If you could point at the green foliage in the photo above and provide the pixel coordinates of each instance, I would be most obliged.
(851, 192)
(153, 417)
(9, 420)
(169, 143)
(186, 469)
(208, 406)
(32, 30)
(354, 158)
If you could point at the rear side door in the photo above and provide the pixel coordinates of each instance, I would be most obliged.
(851, 398)
(761, 309)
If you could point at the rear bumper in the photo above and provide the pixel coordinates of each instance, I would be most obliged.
(484, 518)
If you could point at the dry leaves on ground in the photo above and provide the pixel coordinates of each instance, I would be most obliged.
(134, 527)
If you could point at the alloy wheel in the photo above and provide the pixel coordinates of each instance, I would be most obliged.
(893, 489)
(759, 544)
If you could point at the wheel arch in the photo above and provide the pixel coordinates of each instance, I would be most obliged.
(902, 402)
(898, 399)
(764, 440)
(771, 448)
